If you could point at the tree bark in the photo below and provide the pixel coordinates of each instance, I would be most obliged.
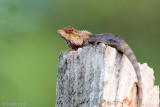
(100, 76)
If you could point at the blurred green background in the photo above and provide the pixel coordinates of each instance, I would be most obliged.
(30, 45)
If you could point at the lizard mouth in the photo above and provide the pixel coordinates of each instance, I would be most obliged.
(61, 33)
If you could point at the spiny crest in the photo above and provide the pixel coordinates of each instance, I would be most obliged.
(85, 31)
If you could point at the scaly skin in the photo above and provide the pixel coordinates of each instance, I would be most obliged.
(73, 37)
(76, 39)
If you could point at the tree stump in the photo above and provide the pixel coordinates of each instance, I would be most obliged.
(100, 76)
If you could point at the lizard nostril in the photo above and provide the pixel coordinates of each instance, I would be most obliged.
(69, 29)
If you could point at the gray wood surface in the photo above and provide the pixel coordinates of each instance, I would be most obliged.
(99, 76)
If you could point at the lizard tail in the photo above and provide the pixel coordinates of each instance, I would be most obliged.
(124, 47)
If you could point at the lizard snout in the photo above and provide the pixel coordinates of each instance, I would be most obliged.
(59, 31)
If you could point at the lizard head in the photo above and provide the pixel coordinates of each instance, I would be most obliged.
(74, 38)
(71, 35)
(67, 32)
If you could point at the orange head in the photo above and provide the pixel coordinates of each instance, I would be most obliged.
(71, 35)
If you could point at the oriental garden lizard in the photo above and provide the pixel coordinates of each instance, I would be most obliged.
(76, 39)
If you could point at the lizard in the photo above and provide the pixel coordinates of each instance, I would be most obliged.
(80, 38)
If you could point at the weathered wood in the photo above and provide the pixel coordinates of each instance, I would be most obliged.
(99, 76)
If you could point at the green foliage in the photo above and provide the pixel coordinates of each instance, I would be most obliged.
(30, 45)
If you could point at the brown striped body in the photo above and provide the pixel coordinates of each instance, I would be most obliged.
(76, 39)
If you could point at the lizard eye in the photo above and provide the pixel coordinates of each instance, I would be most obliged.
(69, 30)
